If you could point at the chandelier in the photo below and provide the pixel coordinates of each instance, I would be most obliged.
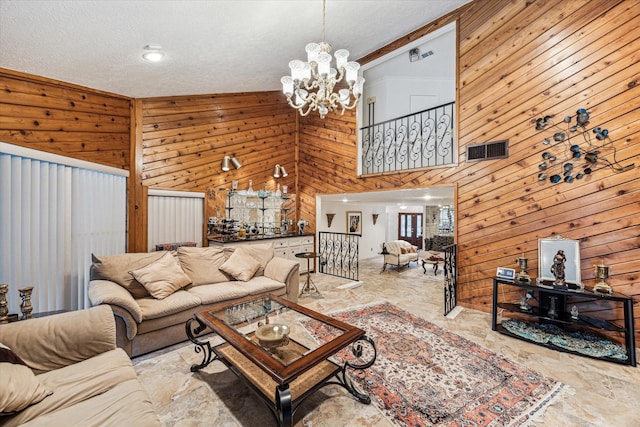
(311, 84)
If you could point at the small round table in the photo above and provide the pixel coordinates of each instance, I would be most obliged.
(309, 287)
(433, 260)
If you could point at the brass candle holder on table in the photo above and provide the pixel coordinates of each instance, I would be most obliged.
(25, 306)
(602, 273)
(4, 307)
(523, 263)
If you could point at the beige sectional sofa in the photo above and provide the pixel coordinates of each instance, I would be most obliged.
(65, 370)
(399, 253)
(153, 294)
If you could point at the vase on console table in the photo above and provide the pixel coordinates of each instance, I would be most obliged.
(523, 263)
(602, 273)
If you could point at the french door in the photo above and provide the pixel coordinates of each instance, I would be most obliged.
(410, 228)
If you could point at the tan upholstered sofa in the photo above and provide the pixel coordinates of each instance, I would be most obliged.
(399, 253)
(74, 374)
(153, 294)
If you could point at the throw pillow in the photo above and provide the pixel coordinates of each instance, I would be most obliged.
(20, 387)
(162, 277)
(240, 265)
(9, 356)
(261, 252)
(202, 264)
(116, 268)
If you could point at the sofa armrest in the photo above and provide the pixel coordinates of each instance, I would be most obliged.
(391, 258)
(52, 342)
(108, 292)
(126, 323)
(286, 271)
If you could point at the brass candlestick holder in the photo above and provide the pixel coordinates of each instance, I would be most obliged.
(523, 263)
(25, 306)
(602, 273)
(4, 307)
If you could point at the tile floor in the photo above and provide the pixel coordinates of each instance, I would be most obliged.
(598, 393)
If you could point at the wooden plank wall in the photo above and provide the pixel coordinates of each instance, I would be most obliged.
(520, 60)
(65, 119)
(184, 140)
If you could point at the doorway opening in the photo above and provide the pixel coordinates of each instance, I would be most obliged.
(380, 213)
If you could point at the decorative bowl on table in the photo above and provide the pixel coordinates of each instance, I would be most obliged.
(272, 336)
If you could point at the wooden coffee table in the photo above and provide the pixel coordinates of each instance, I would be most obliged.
(283, 377)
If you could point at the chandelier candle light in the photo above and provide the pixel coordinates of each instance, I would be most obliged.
(317, 75)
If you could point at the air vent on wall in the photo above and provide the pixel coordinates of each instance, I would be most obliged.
(488, 151)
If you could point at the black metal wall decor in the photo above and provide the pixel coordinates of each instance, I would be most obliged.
(596, 154)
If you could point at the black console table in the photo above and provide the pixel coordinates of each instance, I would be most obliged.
(552, 309)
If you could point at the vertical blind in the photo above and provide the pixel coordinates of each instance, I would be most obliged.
(175, 217)
(53, 215)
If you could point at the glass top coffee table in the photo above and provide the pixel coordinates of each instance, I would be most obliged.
(268, 345)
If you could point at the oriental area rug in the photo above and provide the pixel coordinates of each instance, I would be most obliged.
(426, 376)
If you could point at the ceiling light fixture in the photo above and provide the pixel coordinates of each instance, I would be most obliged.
(153, 53)
(280, 171)
(317, 75)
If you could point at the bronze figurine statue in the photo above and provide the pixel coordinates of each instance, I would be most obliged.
(557, 269)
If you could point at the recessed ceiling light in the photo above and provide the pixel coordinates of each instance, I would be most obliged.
(153, 53)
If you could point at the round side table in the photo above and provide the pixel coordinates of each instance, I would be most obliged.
(309, 287)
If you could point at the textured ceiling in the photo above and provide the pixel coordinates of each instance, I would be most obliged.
(211, 46)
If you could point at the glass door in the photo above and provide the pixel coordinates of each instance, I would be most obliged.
(410, 228)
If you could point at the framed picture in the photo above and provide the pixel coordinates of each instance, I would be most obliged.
(354, 222)
(506, 273)
(561, 250)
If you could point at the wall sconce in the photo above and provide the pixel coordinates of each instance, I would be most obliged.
(228, 159)
(375, 218)
(280, 172)
(330, 219)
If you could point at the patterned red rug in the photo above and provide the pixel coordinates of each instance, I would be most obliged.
(427, 376)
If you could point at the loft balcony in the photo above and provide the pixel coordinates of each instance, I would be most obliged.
(418, 140)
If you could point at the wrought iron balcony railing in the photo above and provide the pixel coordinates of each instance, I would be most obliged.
(339, 254)
(414, 141)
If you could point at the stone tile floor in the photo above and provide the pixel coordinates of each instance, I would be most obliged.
(598, 393)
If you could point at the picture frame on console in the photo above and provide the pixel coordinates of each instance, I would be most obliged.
(547, 251)
(354, 222)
